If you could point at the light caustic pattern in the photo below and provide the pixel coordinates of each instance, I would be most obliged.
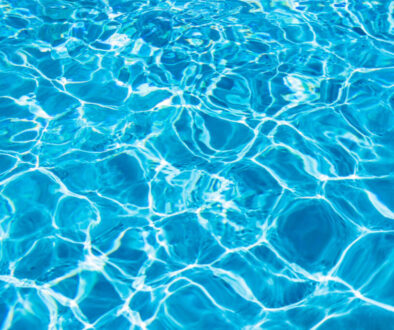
(196, 164)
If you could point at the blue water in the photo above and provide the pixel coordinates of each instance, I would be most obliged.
(189, 164)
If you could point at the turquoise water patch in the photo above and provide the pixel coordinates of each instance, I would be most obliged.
(196, 164)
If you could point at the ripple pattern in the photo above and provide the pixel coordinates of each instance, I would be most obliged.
(185, 164)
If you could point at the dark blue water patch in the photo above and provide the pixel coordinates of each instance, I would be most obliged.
(99, 298)
(106, 94)
(313, 233)
(365, 317)
(188, 242)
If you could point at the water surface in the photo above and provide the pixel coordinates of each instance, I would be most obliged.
(196, 164)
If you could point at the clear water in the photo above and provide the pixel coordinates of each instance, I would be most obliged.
(196, 164)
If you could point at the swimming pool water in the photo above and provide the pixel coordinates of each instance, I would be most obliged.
(188, 164)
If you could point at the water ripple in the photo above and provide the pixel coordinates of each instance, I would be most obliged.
(196, 164)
